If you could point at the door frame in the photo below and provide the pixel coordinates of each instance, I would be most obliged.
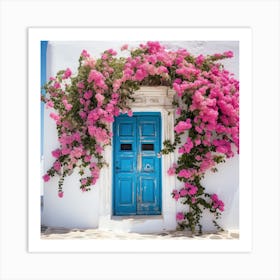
(147, 99)
(142, 114)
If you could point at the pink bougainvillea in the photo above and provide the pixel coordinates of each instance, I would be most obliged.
(180, 216)
(207, 115)
(217, 203)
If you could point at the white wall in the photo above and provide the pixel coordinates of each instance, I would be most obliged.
(78, 209)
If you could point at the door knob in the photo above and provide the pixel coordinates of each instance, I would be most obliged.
(159, 155)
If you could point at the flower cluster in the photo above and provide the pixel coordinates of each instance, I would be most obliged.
(207, 115)
(217, 203)
(188, 190)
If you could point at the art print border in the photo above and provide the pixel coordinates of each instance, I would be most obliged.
(243, 35)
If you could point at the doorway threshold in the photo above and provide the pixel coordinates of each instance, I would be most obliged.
(137, 217)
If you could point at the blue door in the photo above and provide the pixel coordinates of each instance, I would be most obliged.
(137, 164)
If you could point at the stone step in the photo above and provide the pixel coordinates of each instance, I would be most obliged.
(138, 224)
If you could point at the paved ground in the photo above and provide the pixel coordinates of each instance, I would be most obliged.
(62, 233)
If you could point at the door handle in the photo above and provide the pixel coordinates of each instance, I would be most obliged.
(139, 162)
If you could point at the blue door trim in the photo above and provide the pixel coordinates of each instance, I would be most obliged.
(44, 46)
(137, 189)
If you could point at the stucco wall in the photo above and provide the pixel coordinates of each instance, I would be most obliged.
(78, 209)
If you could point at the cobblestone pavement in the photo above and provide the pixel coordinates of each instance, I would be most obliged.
(63, 233)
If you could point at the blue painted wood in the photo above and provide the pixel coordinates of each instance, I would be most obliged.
(44, 45)
(125, 133)
(137, 169)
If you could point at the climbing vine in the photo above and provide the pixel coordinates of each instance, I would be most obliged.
(206, 129)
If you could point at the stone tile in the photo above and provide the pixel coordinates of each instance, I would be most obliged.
(234, 235)
(215, 237)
